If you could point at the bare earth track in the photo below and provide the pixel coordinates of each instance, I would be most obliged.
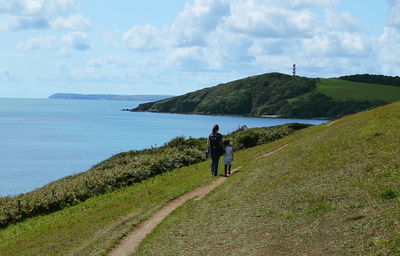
(132, 240)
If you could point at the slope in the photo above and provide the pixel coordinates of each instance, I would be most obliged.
(334, 191)
(92, 227)
(282, 95)
(342, 90)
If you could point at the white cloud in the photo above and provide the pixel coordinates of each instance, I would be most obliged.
(73, 22)
(312, 3)
(36, 7)
(389, 51)
(338, 44)
(142, 38)
(188, 58)
(78, 41)
(40, 14)
(341, 21)
(43, 42)
(394, 13)
(196, 21)
(258, 20)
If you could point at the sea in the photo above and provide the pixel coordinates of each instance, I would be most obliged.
(42, 140)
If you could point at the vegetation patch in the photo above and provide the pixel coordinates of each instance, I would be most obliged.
(374, 79)
(320, 208)
(389, 194)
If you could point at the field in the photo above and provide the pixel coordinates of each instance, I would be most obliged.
(334, 191)
(343, 90)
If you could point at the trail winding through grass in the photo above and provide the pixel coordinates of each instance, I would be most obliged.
(130, 243)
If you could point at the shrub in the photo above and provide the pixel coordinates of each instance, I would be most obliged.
(247, 139)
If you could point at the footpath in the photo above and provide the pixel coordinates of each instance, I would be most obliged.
(130, 243)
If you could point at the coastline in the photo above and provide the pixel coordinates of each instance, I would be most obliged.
(231, 115)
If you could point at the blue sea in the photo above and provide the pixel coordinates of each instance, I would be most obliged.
(42, 140)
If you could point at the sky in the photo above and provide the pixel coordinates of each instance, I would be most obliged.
(177, 46)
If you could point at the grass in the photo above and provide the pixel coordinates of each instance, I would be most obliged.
(94, 226)
(331, 192)
(125, 169)
(343, 90)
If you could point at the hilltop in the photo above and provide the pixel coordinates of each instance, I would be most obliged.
(75, 96)
(276, 94)
(333, 190)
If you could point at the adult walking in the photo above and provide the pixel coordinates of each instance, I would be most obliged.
(215, 149)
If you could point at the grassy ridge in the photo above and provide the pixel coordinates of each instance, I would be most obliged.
(125, 169)
(342, 90)
(334, 191)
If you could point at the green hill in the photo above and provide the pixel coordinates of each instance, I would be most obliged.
(282, 95)
(334, 190)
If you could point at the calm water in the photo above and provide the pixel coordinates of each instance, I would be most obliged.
(42, 140)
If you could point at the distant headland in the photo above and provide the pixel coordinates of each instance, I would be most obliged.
(76, 96)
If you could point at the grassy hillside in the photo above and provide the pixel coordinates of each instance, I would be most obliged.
(279, 94)
(334, 191)
(256, 95)
(342, 90)
(94, 226)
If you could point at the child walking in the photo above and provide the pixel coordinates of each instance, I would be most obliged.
(228, 157)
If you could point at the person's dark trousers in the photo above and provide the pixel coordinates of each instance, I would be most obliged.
(227, 169)
(214, 164)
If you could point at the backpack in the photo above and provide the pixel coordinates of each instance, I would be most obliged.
(215, 141)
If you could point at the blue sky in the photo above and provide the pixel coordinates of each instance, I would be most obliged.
(177, 46)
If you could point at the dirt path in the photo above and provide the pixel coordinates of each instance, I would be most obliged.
(273, 151)
(331, 123)
(131, 241)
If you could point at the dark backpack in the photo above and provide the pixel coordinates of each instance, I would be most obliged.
(215, 141)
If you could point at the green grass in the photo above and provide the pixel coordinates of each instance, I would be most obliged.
(92, 227)
(125, 169)
(343, 90)
(331, 192)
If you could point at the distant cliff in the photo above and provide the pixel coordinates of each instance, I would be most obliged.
(75, 96)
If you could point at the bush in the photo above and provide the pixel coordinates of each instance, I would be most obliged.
(247, 139)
